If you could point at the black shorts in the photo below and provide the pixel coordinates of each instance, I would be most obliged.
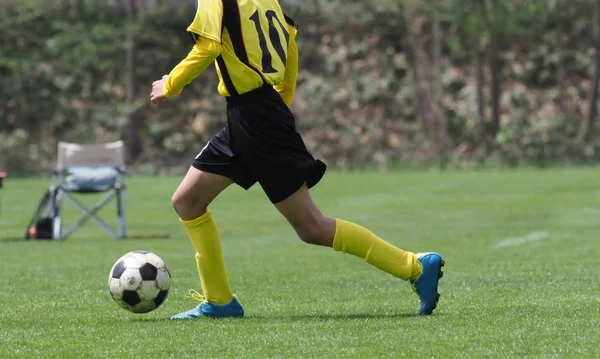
(260, 144)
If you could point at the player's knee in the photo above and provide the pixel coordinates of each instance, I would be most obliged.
(309, 235)
(186, 206)
(317, 231)
(179, 202)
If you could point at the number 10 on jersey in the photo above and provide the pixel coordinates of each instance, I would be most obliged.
(274, 39)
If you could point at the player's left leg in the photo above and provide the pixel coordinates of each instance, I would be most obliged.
(264, 131)
(422, 270)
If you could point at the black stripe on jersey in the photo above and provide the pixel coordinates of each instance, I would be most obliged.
(274, 34)
(226, 77)
(290, 21)
(233, 22)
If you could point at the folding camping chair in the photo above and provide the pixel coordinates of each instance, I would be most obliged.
(84, 169)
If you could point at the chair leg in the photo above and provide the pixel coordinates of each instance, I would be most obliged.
(57, 220)
(90, 214)
(122, 230)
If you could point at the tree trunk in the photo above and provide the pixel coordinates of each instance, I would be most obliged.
(412, 55)
(129, 56)
(133, 143)
(587, 130)
(148, 4)
(438, 107)
(479, 80)
(495, 69)
(81, 8)
(479, 96)
(562, 43)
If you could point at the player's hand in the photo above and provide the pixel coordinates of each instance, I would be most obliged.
(158, 95)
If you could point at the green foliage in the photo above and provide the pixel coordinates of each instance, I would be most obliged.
(63, 77)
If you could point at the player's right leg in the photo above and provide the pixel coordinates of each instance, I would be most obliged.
(213, 170)
(197, 190)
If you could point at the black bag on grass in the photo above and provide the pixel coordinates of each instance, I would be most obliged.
(41, 225)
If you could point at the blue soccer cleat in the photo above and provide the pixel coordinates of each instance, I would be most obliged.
(427, 284)
(208, 309)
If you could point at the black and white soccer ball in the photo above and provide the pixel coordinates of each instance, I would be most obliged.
(139, 281)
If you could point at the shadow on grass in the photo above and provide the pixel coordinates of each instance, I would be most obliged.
(13, 240)
(324, 317)
(289, 318)
(145, 237)
(150, 320)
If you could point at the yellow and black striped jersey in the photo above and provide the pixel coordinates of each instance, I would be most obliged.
(256, 38)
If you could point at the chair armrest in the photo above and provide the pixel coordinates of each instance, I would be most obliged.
(66, 170)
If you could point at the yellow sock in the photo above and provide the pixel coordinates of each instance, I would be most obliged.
(356, 240)
(206, 240)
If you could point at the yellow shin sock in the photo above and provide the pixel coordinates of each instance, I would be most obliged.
(206, 240)
(356, 240)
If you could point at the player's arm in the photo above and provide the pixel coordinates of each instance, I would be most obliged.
(206, 32)
(287, 88)
(204, 53)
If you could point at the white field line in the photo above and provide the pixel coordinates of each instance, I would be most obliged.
(511, 242)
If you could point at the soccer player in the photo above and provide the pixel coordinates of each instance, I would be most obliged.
(253, 45)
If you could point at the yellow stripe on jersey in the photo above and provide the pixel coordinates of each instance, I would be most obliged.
(235, 77)
(208, 20)
(287, 88)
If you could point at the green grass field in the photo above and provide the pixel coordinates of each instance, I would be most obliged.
(521, 274)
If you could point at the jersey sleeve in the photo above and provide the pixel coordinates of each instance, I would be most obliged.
(287, 87)
(208, 21)
(204, 53)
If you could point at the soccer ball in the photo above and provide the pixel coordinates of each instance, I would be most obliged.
(139, 281)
